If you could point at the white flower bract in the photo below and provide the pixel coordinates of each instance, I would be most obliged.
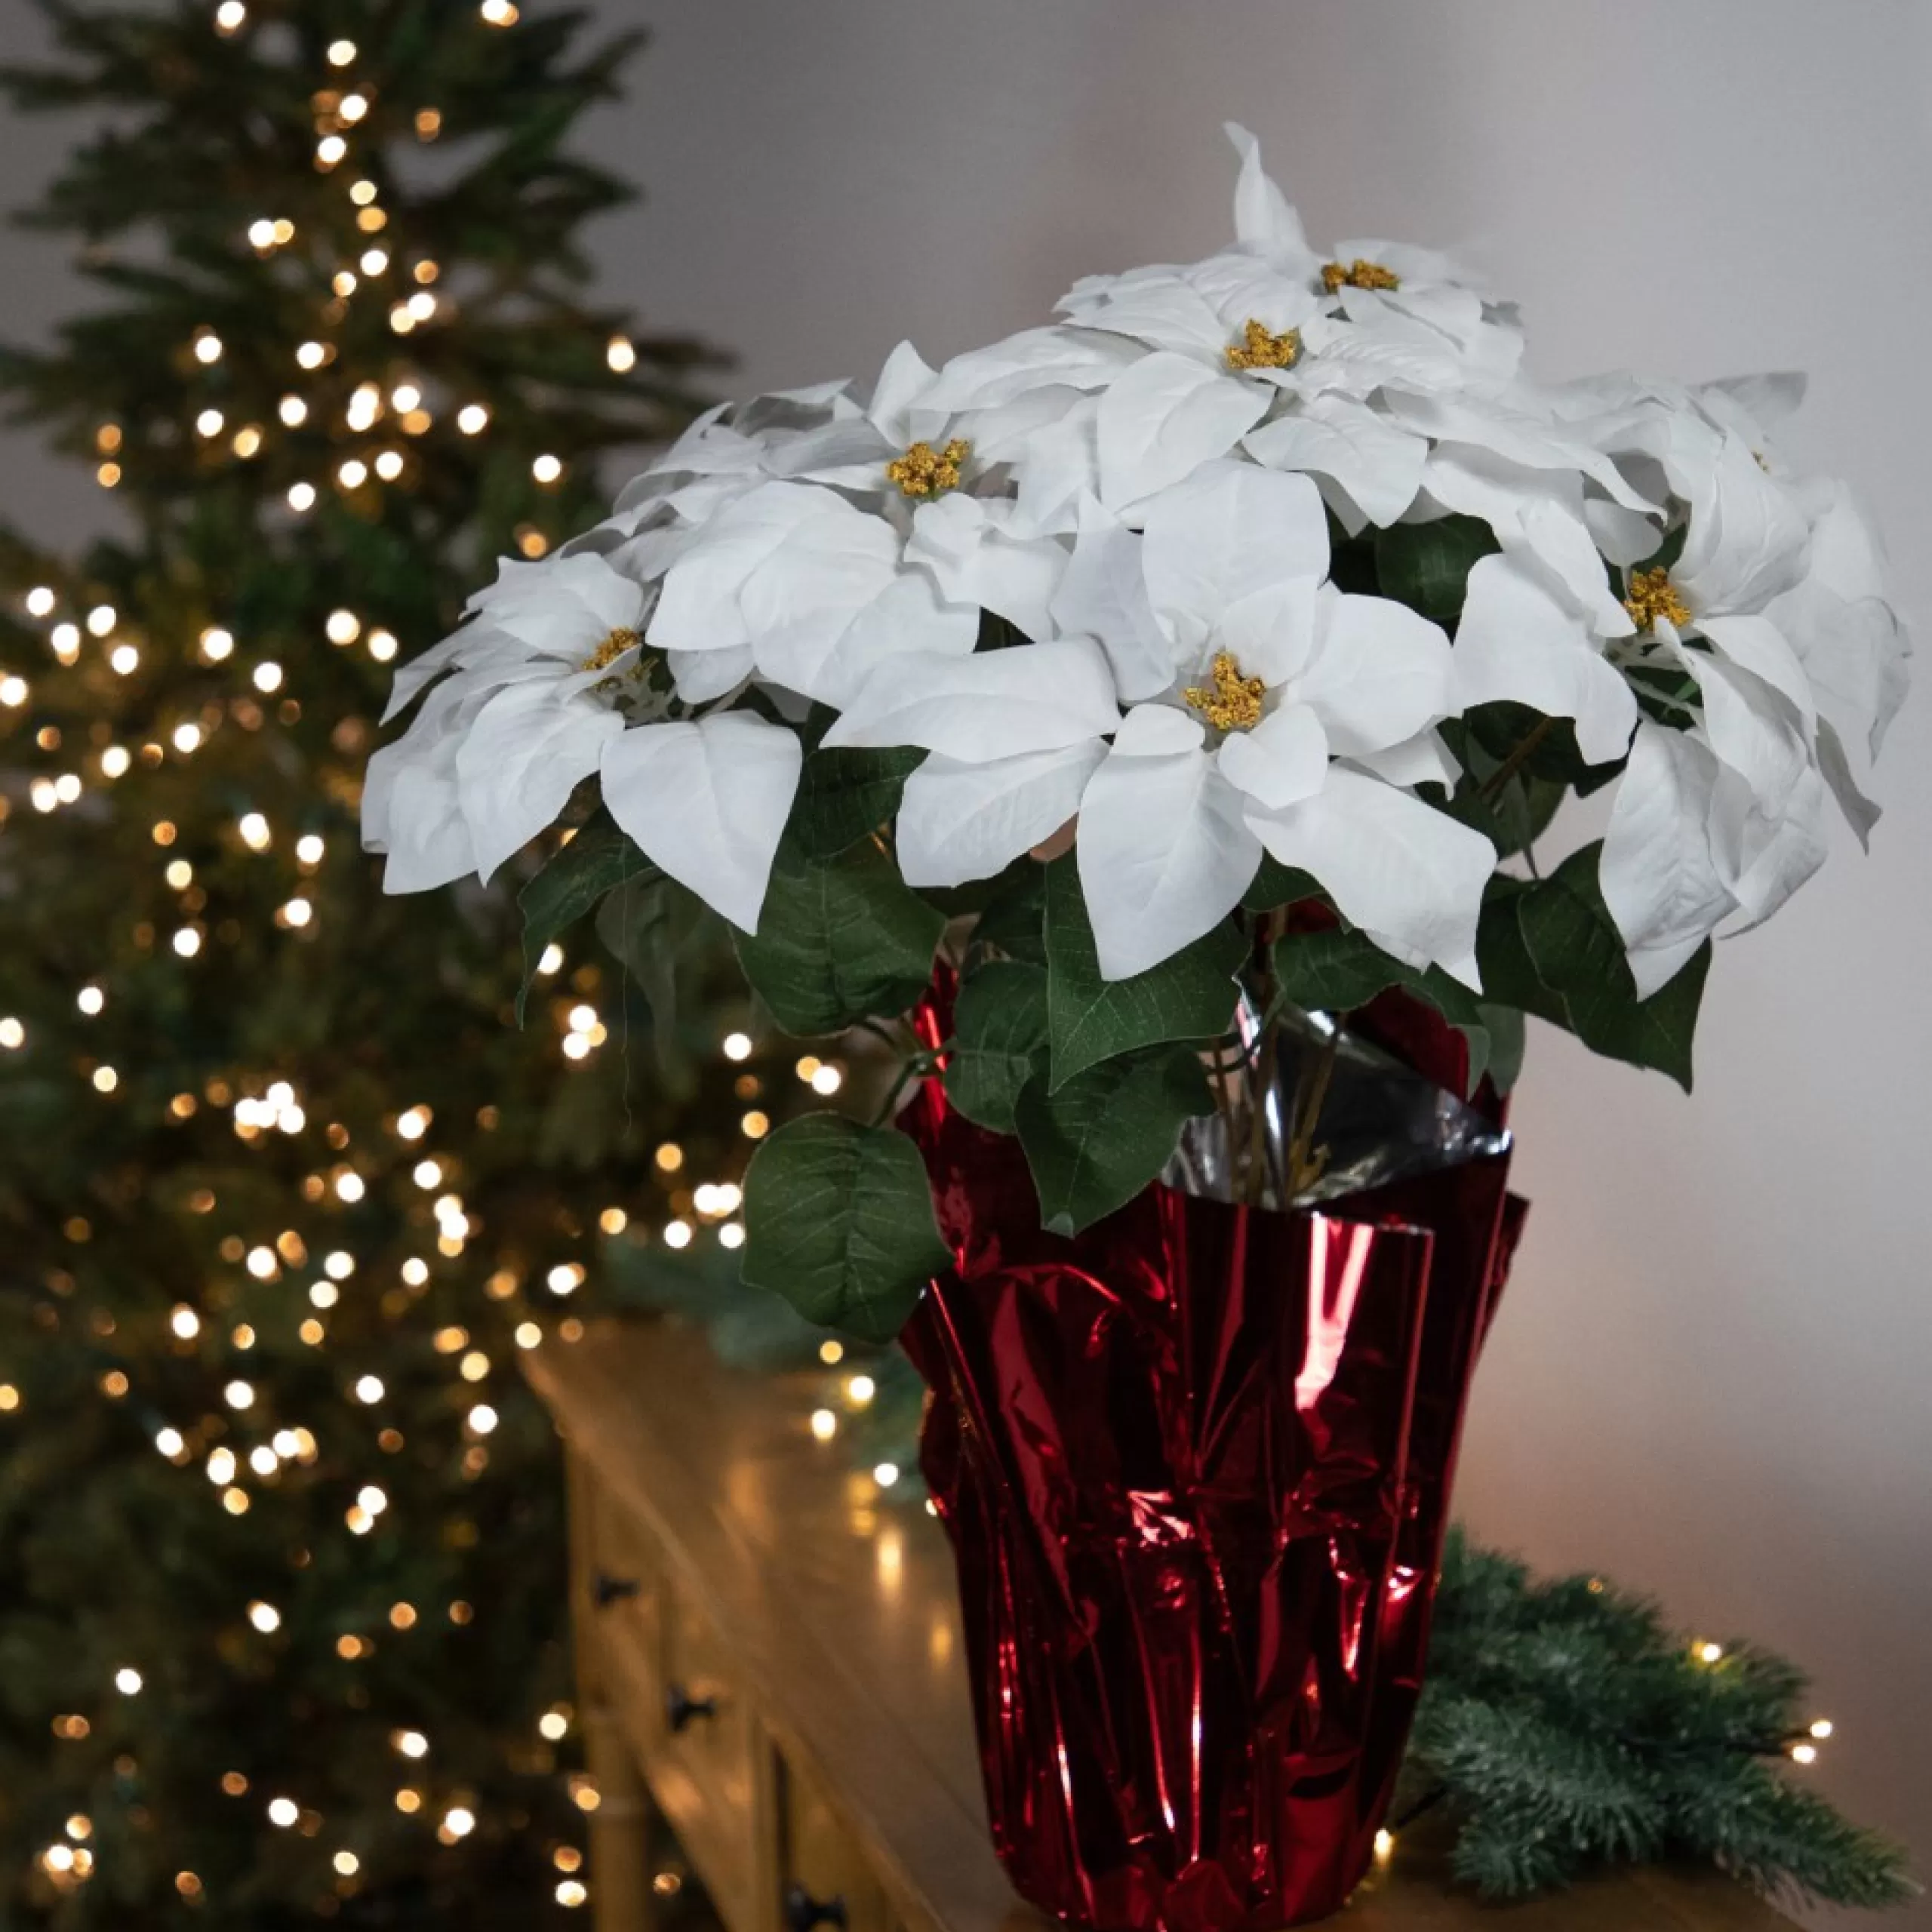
(1109, 576)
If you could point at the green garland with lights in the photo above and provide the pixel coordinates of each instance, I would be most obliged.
(282, 1189)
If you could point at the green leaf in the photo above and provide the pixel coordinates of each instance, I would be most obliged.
(1094, 1143)
(1426, 565)
(1014, 922)
(845, 793)
(1507, 1044)
(838, 939)
(1338, 970)
(838, 1220)
(599, 859)
(1189, 996)
(999, 1038)
(1275, 884)
(1552, 949)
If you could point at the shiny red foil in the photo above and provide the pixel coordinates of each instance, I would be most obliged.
(1195, 1465)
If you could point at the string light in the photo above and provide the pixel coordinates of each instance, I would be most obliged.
(546, 469)
(264, 1616)
(267, 676)
(123, 659)
(39, 601)
(374, 261)
(207, 346)
(620, 352)
(66, 640)
(498, 13)
(341, 52)
(101, 619)
(473, 419)
(128, 1681)
(229, 18)
(12, 691)
(825, 1425)
(311, 355)
(12, 1034)
(329, 151)
(301, 496)
(292, 410)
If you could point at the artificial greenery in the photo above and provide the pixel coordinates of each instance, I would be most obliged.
(282, 1186)
(1564, 1726)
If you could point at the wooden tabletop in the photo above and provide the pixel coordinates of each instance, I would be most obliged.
(841, 1609)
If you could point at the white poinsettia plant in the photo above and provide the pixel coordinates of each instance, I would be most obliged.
(1232, 639)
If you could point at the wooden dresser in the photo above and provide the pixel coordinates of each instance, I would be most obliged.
(771, 1655)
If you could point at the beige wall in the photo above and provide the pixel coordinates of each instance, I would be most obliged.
(1710, 1376)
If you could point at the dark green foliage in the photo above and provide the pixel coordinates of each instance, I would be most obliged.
(1566, 1727)
(838, 939)
(120, 1203)
(1096, 1140)
(594, 864)
(999, 1041)
(1549, 948)
(1190, 996)
(1426, 565)
(846, 792)
(838, 1220)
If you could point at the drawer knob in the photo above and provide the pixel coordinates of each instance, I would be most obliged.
(681, 1707)
(608, 1590)
(803, 1912)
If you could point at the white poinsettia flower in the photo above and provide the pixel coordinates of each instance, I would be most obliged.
(541, 690)
(796, 582)
(1290, 691)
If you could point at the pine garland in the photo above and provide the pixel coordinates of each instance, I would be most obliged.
(1565, 1726)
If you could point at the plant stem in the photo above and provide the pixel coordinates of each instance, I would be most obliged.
(1524, 747)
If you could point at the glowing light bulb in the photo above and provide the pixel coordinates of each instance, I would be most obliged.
(412, 1744)
(343, 627)
(341, 52)
(312, 354)
(353, 474)
(885, 1474)
(184, 1322)
(230, 16)
(382, 645)
(100, 620)
(620, 352)
(498, 13)
(1821, 1727)
(254, 830)
(330, 150)
(825, 1425)
(737, 1046)
(472, 419)
(267, 676)
(187, 737)
(128, 1681)
(292, 410)
(1804, 1754)
(283, 1811)
(369, 1389)
(264, 1616)
(123, 659)
(374, 261)
(389, 465)
(860, 1391)
(482, 1419)
(13, 692)
(546, 469)
(301, 496)
(209, 423)
(170, 1442)
(208, 346)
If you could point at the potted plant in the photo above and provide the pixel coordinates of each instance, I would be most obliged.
(1148, 729)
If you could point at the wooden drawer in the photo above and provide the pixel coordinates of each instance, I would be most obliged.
(823, 1863)
(629, 1586)
(710, 1770)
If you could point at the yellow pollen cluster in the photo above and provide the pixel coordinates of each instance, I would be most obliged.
(1652, 596)
(924, 471)
(1264, 349)
(1234, 702)
(613, 648)
(1358, 274)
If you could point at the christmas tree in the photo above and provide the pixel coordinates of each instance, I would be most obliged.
(283, 1187)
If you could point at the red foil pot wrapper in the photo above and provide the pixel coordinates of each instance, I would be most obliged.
(1194, 1463)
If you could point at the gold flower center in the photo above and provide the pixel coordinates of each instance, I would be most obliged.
(1358, 274)
(924, 471)
(613, 648)
(1234, 702)
(1263, 349)
(1652, 596)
